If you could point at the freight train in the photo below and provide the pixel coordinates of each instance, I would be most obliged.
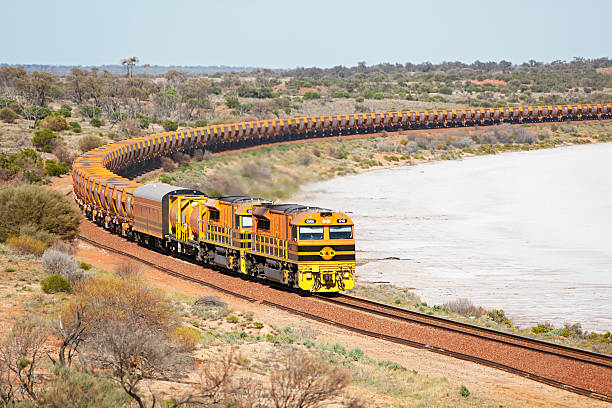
(308, 248)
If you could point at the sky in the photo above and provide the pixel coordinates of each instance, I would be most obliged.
(289, 34)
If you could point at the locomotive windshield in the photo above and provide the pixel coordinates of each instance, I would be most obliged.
(247, 221)
(311, 232)
(341, 232)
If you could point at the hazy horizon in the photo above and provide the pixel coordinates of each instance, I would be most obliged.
(281, 35)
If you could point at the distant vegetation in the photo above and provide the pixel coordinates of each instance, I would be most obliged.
(276, 172)
(64, 112)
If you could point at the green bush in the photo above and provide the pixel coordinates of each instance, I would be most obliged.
(96, 122)
(26, 164)
(359, 99)
(64, 112)
(355, 354)
(311, 95)
(541, 328)
(75, 127)
(84, 266)
(78, 389)
(391, 365)
(464, 391)
(56, 169)
(187, 338)
(170, 125)
(44, 140)
(55, 283)
(200, 123)
(8, 115)
(49, 210)
(34, 231)
(144, 123)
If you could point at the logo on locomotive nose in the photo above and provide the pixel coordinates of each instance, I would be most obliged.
(327, 253)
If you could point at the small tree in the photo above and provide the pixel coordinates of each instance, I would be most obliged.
(129, 64)
(35, 113)
(19, 357)
(311, 95)
(89, 111)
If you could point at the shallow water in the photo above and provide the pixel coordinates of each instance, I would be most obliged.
(529, 232)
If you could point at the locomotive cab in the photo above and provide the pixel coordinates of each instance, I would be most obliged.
(325, 246)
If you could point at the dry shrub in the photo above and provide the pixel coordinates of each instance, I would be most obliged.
(254, 171)
(130, 127)
(305, 159)
(128, 270)
(106, 298)
(181, 158)
(25, 244)
(69, 248)
(61, 263)
(218, 184)
(64, 155)
(186, 338)
(198, 155)
(463, 142)
(89, 142)
(54, 122)
(316, 151)
(168, 164)
(123, 325)
(302, 382)
(464, 307)
(210, 300)
(208, 155)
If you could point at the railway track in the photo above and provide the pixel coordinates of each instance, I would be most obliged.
(527, 343)
(579, 371)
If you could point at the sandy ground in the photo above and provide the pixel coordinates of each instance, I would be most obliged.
(486, 382)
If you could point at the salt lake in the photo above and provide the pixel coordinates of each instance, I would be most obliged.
(528, 232)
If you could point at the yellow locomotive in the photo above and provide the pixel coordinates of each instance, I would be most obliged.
(312, 249)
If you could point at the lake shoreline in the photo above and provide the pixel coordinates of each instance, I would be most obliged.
(377, 269)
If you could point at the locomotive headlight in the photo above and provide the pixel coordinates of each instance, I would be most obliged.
(308, 276)
(346, 275)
